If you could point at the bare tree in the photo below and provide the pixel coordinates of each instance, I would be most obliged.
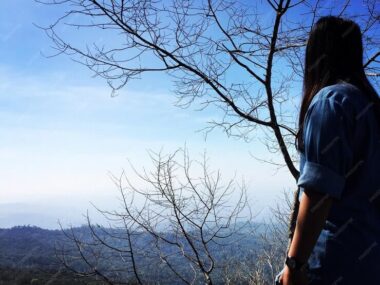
(241, 57)
(173, 226)
(203, 45)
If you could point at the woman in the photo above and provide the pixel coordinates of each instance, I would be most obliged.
(337, 235)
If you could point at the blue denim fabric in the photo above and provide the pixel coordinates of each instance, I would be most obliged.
(342, 159)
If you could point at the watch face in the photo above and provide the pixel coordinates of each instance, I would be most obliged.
(291, 263)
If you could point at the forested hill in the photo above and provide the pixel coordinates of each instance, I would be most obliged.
(26, 246)
(29, 256)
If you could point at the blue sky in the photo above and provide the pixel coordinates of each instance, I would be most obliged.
(61, 132)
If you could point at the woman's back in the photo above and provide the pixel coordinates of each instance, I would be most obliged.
(342, 159)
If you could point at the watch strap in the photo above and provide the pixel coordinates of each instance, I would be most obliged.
(295, 264)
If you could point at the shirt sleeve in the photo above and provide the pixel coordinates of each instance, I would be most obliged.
(327, 147)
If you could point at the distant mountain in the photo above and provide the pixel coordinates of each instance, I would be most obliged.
(26, 246)
(45, 216)
(28, 255)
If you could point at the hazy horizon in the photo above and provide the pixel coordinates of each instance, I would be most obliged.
(62, 133)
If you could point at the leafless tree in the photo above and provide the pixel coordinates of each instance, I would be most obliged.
(241, 57)
(173, 225)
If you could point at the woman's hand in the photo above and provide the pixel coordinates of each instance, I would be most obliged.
(290, 277)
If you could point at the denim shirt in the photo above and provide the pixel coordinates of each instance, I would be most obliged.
(341, 159)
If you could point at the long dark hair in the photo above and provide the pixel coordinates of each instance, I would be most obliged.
(334, 53)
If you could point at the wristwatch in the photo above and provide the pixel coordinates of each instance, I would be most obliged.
(295, 265)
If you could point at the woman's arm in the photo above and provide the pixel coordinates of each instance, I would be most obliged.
(328, 135)
(313, 211)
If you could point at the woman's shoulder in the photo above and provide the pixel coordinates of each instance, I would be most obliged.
(347, 95)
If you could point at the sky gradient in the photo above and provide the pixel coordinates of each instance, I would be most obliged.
(61, 132)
